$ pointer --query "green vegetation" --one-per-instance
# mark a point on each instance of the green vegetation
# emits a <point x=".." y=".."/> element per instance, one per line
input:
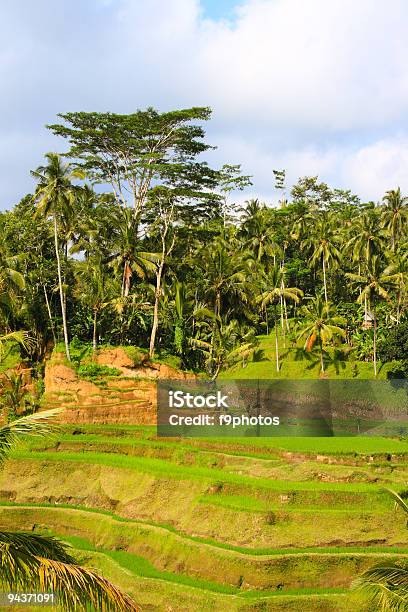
<point x="184" y="514"/>
<point x="130" y="241"/>
<point x="35" y="563"/>
<point x="89" y="371"/>
<point x="162" y="261"/>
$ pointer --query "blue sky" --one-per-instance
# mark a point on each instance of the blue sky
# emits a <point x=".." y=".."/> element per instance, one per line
<point x="219" y="9"/>
<point x="317" y="87"/>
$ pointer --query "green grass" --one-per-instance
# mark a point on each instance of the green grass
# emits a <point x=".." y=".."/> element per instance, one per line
<point x="141" y="567"/>
<point x="292" y="369"/>
<point x="162" y="468"/>
<point x="10" y="357"/>
<point x="89" y="371"/>
<point x="244" y="550"/>
<point x="140" y="434"/>
<point x="249" y="504"/>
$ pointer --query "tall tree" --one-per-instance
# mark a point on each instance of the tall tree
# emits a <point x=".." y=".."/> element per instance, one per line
<point x="322" y="245"/>
<point x="273" y="294"/>
<point x="55" y="197"/>
<point x="137" y="152"/>
<point x="395" y="214"/>
<point x="320" y="326"/>
<point x="374" y="282"/>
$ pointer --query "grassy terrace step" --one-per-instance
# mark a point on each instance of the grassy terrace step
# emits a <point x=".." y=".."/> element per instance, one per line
<point x="357" y="514"/>
<point x="162" y="594"/>
<point x="156" y="552"/>
<point x="247" y="551"/>
<point x="174" y="471"/>
<point x="386" y="473"/>
<point x="336" y="446"/>
<point x="105" y="402"/>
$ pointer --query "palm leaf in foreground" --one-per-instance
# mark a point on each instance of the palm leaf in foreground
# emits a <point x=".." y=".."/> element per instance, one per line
<point x="385" y="586"/>
<point x="39" y="563"/>
<point x="13" y="433"/>
<point x="398" y="500"/>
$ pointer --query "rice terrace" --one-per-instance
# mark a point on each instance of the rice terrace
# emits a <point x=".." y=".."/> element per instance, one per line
<point x="136" y="262"/>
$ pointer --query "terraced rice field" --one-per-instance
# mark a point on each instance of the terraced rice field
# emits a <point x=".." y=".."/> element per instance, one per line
<point x="215" y="524"/>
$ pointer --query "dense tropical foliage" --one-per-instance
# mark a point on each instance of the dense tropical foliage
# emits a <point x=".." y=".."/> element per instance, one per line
<point x="130" y="238"/>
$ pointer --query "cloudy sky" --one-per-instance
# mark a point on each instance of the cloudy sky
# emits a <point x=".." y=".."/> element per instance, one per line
<point x="316" y="86"/>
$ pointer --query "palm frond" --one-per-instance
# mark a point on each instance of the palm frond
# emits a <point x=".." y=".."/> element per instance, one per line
<point x="386" y="587"/>
<point x="75" y="586"/>
<point x="13" y="433"/>
<point x="398" y="500"/>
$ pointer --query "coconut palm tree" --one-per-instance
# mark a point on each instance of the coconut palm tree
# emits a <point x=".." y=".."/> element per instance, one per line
<point x="395" y="214"/>
<point x="398" y="270"/>
<point x="367" y="237"/>
<point x="92" y="288"/>
<point x="225" y="272"/>
<point x="223" y="344"/>
<point x="54" y="198"/>
<point x="12" y="282"/>
<point x="320" y="327"/>
<point x="386" y="584"/>
<point x="374" y="282"/>
<point x="274" y="292"/>
<point x="322" y="244"/>
<point x="127" y="255"/>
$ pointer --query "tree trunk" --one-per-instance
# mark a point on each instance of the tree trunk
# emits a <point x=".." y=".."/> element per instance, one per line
<point x="95" y="337"/>
<point x="50" y="314"/>
<point x="321" y="361"/>
<point x="61" y="291"/>
<point x="276" y="343"/>
<point x="157" y="294"/>
<point x="375" y="342"/>
<point x="126" y="279"/>
<point x="324" y="279"/>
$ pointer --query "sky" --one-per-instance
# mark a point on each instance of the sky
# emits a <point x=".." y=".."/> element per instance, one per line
<point x="317" y="87"/>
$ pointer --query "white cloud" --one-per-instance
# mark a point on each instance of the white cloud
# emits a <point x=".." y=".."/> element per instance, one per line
<point x="378" y="167"/>
<point x="316" y="87"/>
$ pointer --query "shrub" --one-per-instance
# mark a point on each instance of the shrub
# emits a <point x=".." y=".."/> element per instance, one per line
<point x="137" y="355"/>
<point x="395" y="346"/>
<point x="94" y="370"/>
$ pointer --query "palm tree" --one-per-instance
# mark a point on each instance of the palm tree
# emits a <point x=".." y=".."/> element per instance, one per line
<point x="54" y="197"/>
<point x="398" y="270"/>
<point x="11" y="280"/>
<point x="22" y="338"/>
<point x="386" y="584"/>
<point x="320" y="327"/>
<point x="225" y="272"/>
<point x="33" y="562"/>
<point x="395" y="214"/>
<point x="92" y="290"/>
<point x="228" y="343"/>
<point x="274" y="293"/>
<point x="323" y="247"/>
<point x="367" y="237"/>
<point x="373" y="283"/>
<point x="127" y="255"/>
<point x="257" y="232"/>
